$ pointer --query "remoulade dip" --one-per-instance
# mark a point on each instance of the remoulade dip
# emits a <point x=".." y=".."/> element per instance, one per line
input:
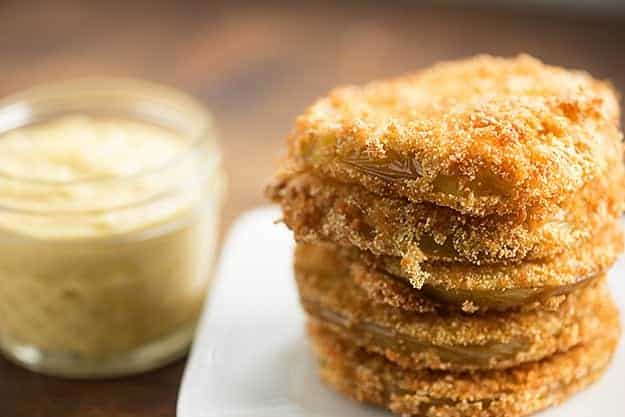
<point x="110" y="193"/>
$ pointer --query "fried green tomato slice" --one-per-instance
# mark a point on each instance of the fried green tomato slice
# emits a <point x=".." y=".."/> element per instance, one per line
<point x="370" y="378"/>
<point x="451" y="340"/>
<point x="467" y="287"/>
<point x="398" y="292"/>
<point x="452" y="280"/>
<point x="483" y="135"/>
<point x="322" y="210"/>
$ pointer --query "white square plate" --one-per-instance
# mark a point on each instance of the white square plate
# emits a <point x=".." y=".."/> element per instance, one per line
<point x="250" y="357"/>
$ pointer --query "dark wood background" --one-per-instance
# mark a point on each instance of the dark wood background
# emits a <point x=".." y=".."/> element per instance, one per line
<point x="257" y="65"/>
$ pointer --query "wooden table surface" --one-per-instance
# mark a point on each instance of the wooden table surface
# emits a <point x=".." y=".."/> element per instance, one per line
<point x="257" y="66"/>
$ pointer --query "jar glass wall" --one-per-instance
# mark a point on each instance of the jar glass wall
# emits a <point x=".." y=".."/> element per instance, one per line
<point x="110" y="192"/>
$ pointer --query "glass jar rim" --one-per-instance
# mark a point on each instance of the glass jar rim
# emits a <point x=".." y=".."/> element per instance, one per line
<point x="24" y="108"/>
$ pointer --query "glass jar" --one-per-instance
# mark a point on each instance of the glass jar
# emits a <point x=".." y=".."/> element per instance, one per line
<point x="110" y="193"/>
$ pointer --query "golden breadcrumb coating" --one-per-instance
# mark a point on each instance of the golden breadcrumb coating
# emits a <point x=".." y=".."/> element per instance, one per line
<point x="592" y="258"/>
<point x="448" y="340"/>
<point x="319" y="210"/>
<point x="398" y="292"/>
<point x="401" y="293"/>
<point x="515" y="392"/>
<point x="482" y="135"/>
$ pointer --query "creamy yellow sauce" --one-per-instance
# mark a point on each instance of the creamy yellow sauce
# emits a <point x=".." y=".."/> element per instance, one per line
<point x="107" y="232"/>
<point x="81" y="147"/>
<point x="83" y="176"/>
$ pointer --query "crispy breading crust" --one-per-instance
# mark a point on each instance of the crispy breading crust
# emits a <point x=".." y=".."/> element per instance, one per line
<point x="483" y="135"/>
<point x="515" y="392"/>
<point x="398" y="292"/>
<point x="324" y="210"/>
<point x="590" y="259"/>
<point x="448" y="340"/>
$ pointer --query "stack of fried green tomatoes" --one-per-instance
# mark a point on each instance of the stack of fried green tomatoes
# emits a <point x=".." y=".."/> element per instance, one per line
<point x="454" y="229"/>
